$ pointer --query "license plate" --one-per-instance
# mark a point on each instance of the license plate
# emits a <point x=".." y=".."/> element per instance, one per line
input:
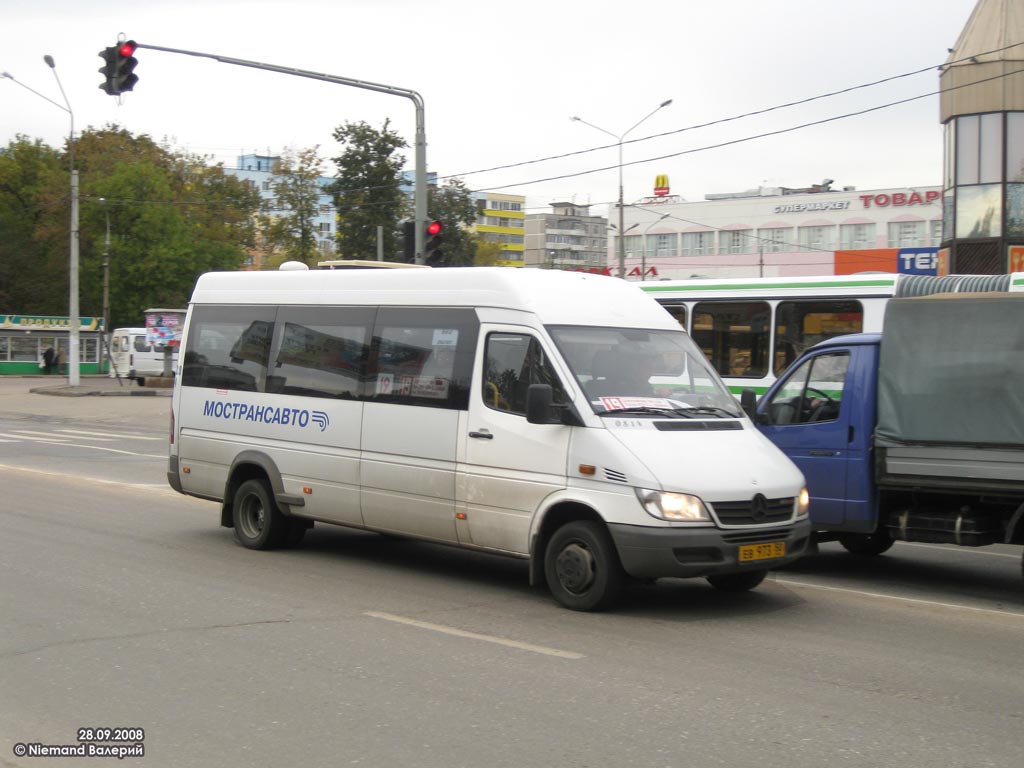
<point x="766" y="551"/>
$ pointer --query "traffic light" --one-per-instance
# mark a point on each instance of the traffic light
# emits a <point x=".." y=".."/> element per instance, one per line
<point x="409" y="241"/>
<point x="432" y="243"/>
<point x="118" y="68"/>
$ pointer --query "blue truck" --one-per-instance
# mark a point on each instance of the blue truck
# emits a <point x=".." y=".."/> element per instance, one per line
<point x="915" y="433"/>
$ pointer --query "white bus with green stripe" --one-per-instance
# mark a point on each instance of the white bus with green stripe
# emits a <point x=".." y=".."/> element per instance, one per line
<point x="751" y="329"/>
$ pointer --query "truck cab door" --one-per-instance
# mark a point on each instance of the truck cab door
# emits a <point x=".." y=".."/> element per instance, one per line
<point x="803" y="415"/>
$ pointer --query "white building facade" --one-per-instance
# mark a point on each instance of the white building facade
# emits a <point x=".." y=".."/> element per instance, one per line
<point x="775" y="232"/>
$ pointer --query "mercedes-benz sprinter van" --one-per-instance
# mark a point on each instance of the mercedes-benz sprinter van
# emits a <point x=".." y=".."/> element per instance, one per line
<point x="564" y="418"/>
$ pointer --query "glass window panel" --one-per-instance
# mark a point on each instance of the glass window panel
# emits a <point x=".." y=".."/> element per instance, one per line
<point x="948" y="159"/>
<point x="800" y="325"/>
<point x="734" y="336"/>
<point x="228" y="347"/>
<point x="947" y="215"/>
<point x="1015" y="210"/>
<point x="991" y="154"/>
<point x="1015" y="146"/>
<point x="513" y="362"/>
<point x="322" y="351"/>
<point x="25" y="348"/>
<point x="5" y="347"/>
<point x="979" y="211"/>
<point x="967" y="150"/>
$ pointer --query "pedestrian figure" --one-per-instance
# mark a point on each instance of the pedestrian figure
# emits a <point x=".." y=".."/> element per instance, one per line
<point x="49" y="361"/>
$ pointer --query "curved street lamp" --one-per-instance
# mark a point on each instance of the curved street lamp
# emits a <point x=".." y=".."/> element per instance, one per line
<point x="619" y="139"/>
<point x="74" y="321"/>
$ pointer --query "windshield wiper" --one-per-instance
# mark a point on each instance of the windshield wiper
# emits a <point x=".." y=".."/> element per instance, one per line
<point x="709" y="409"/>
<point x="675" y="413"/>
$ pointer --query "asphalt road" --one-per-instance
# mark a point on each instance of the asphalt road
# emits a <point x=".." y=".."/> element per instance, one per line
<point x="124" y="605"/>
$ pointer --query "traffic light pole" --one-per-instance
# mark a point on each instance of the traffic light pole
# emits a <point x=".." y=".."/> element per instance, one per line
<point x="420" y="178"/>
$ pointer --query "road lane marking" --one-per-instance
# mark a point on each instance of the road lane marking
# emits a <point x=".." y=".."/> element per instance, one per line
<point x="475" y="635"/>
<point x="55" y="440"/>
<point x="28" y="435"/>
<point x="114" y="436"/>
<point x="915" y="600"/>
<point x="152" y="487"/>
<point x="961" y="550"/>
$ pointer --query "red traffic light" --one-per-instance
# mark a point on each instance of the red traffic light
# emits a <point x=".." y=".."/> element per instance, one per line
<point x="434" y="228"/>
<point x="126" y="49"/>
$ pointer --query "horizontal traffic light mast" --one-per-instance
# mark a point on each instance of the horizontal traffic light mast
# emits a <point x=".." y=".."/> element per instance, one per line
<point x="116" y="87"/>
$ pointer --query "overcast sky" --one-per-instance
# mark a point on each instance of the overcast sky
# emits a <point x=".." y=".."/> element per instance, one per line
<point x="501" y="80"/>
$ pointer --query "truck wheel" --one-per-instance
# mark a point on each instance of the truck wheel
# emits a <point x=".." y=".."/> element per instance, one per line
<point x="582" y="567"/>
<point x="259" y="524"/>
<point x="867" y="543"/>
<point x="737" y="582"/>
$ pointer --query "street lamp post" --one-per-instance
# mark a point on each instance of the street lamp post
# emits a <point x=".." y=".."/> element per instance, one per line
<point x="643" y="258"/>
<point x="619" y="139"/>
<point x="104" y="335"/>
<point x="74" y="321"/>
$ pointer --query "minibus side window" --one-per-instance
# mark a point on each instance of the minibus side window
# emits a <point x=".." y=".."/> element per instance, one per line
<point x="141" y="345"/>
<point x="512" y="362"/>
<point x="321" y="352"/>
<point x="228" y="347"/>
<point x="422" y="356"/>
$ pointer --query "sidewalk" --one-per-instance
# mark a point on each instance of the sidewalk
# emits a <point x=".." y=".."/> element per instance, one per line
<point x="94" y="386"/>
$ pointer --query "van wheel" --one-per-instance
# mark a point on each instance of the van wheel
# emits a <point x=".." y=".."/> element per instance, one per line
<point x="737" y="582"/>
<point x="582" y="567"/>
<point x="259" y="524"/>
<point x="867" y="543"/>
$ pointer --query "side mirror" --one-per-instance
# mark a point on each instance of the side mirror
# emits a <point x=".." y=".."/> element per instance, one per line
<point x="748" y="402"/>
<point x="538" y="405"/>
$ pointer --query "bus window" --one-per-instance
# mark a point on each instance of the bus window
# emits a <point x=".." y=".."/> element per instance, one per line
<point x="802" y="324"/>
<point x="733" y="336"/>
<point x="678" y="311"/>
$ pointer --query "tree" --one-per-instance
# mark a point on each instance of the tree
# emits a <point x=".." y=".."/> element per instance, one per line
<point x="33" y="265"/>
<point x="367" y="190"/>
<point x="453" y="206"/>
<point x="172" y="217"/>
<point x="488" y="252"/>
<point x="290" y="228"/>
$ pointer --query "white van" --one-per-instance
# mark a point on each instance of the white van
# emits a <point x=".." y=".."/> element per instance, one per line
<point x="488" y="408"/>
<point x="135" y="359"/>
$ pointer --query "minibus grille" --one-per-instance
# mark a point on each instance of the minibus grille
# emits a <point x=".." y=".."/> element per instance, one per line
<point x="611" y="474"/>
<point x="696" y="426"/>
<point x="755" y="511"/>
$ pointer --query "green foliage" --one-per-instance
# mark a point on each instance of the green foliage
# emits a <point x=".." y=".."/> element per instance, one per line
<point x="453" y="206"/>
<point x="171" y="216"/>
<point x="367" y="190"/>
<point x="291" y="231"/>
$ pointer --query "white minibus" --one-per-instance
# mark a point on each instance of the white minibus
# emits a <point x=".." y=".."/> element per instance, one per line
<point x="132" y="357"/>
<point x="563" y="418"/>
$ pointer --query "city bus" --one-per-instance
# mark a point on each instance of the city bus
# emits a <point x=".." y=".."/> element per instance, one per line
<point x="751" y="329"/>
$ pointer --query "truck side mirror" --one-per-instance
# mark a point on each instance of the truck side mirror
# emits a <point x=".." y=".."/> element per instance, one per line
<point x="748" y="402"/>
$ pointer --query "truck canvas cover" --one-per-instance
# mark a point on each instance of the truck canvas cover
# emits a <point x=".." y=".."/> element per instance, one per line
<point x="951" y="371"/>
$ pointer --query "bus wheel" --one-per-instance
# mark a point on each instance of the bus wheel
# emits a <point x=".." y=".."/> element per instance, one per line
<point x="259" y="524"/>
<point x="737" y="582"/>
<point x="582" y="567"/>
<point x="867" y="543"/>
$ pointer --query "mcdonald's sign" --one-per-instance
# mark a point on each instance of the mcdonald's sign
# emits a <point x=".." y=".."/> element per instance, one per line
<point x="661" y="185"/>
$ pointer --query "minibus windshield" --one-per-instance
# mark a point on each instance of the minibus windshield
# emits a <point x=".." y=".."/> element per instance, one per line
<point x="656" y="372"/>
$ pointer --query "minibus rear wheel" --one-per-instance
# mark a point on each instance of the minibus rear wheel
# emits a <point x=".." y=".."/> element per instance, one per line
<point x="582" y="567"/>
<point x="259" y="524"/>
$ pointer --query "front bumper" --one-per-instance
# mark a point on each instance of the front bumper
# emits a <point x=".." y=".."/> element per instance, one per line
<point x="684" y="553"/>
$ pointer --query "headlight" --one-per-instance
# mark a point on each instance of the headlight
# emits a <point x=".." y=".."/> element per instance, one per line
<point x="803" y="503"/>
<point x="674" y="507"/>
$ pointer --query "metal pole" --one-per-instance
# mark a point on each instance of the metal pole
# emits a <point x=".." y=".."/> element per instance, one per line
<point x="622" y="202"/>
<point x="74" y="319"/>
<point x="106" y="278"/>
<point x="420" y="178"/>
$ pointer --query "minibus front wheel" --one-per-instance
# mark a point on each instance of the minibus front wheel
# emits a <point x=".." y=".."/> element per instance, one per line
<point x="259" y="523"/>
<point x="582" y="567"/>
